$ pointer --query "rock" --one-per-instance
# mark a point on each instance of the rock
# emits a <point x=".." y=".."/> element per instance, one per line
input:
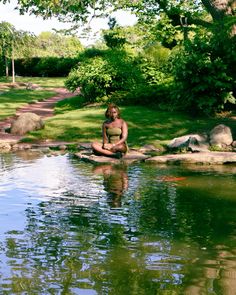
<point x="62" y="147"/>
<point x="147" y="148"/>
<point x="31" y="86"/>
<point x="234" y="144"/>
<point x="190" y="142"/>
<point x="84" y="146"/>
<point x="130" y="157"/>
<point x="5" y="147"/>
<point x="21" y="146"/>
<point x="26" y="122"/>
<point x="221" y="136"/>
<point x="207" y="158"/>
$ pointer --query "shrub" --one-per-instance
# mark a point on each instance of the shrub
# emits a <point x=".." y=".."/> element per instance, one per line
<point x="45" y="66"/>
<point x="202" y="82"/>
<point x="144" y="94"/>
<point x="100" y="76"/>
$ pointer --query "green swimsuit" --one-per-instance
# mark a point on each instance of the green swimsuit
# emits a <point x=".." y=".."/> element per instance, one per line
<point x="114" y="135"/>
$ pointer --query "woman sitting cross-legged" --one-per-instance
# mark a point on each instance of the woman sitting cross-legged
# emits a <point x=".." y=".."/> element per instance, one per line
<point x="114" y="133"/>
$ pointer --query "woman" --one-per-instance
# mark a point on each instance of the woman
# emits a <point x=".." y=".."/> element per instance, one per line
<point x="114" y="134"/>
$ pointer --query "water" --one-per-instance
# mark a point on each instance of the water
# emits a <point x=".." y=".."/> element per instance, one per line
<point x="69" y="227"/>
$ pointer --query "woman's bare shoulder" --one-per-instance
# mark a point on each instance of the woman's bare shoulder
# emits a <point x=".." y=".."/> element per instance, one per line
<point x="106" y="122"/>
<point x="123" y="122"/>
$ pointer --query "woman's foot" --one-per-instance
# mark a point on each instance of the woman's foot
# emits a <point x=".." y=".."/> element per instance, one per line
<point x="118" y="155"/>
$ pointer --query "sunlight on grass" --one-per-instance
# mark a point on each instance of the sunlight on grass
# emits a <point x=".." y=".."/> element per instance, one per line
<point x="146" y="126"/>
<point x="46" y="82"/>
<point x="16" y="98"/>
<point x="73" y="122"/>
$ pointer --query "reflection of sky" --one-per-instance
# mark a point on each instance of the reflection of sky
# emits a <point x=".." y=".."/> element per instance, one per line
<point x="44" y="178"/>
<point x="39" y="180"/>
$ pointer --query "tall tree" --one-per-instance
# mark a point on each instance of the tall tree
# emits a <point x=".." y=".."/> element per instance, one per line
<point x="181" y="13"/>
<point x="13" y="43"/>
<point x="55" y="44"/>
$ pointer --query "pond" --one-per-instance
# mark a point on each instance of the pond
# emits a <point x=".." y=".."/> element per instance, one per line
<point x="69" y="227"/>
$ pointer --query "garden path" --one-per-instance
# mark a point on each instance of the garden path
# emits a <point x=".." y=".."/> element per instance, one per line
<point x="44" y="109"/>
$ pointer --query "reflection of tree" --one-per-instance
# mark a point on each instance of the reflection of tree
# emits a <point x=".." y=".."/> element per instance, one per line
<point x="198" y="213"/>
<point x="152" y="243"/>
<point x="115" y="182"/>
<point x="29" y="154"/>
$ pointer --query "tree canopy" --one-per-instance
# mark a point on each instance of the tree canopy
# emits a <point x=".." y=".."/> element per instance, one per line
<point x="199" y="34"/>
<point x="178" y="11"/>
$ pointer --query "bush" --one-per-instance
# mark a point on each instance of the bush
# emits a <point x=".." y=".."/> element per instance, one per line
<point x="202" y="82"/>
<point x="144" y="94"/>
<point x="45" y="66"/>
<point x="102" y="75"/>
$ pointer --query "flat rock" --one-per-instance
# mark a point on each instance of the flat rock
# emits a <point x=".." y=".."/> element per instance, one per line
<point x="208" y="158"/>
<point x="52" y="144"/>
<point x="130" y="157"/>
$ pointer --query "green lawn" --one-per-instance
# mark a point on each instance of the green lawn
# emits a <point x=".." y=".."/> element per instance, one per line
<point x="73" y="122"/>
<point x="146" y="125"/>
<point x="46" y="82"/>
<point x="13" y="98"/>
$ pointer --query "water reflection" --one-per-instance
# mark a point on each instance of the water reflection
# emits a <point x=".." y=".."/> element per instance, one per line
<point x="115" y="182"/>
<point x="64" y="231"/>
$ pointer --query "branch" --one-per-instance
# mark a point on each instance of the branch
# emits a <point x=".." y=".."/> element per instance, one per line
<point x="214" y="12"/>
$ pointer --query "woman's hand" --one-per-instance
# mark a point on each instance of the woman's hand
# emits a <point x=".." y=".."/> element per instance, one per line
<point x="108" y="146"/>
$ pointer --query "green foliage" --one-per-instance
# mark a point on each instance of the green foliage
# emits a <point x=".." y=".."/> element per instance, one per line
<point x="49" y="44"/>
<point x="100" y="76"/>
<point x="2" y="66"/>
<point x="156" y="96"/>
<point x="202" y="81"/>
<point x="94" y="78"/>
<point x="45" y="66"/>
<point x="166" y="32"/>
<point x="114" y="38"/>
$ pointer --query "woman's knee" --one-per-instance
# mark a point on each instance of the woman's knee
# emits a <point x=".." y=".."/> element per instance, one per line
<point x="94" y="145"/>
<point x="120" y="148"/>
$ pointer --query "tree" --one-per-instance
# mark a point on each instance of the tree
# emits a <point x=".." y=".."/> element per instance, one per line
<point x="55" y="44"/>
<point x="12" y="45"/>
<point x="217" y="17"/>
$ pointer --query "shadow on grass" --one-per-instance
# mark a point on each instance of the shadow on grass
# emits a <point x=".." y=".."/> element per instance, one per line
<point x="146" y="126"/>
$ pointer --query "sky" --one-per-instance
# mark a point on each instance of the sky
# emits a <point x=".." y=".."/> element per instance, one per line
<point x="37" y="25"/>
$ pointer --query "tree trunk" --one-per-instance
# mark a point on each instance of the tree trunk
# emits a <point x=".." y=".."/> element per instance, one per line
<point x="6" y="67"/>
<point x="13" y="66"/>
<point x="220" y="9"/>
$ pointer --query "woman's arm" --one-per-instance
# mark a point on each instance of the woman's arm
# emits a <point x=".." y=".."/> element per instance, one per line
<point x="104" y="135"/>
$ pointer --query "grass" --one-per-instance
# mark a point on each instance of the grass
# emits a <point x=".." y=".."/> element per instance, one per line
<point x="75" y="122"/>
<point x="14" y="98"/>
<point x="46" y="82"/>
<point x="146" y="126"/>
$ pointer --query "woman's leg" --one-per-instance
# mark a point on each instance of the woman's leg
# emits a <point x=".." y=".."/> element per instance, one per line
<point x="120" y="148"/>
<point x="98" y="149"/>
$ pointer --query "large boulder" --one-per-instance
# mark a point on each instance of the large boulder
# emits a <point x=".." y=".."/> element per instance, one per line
<point x="190" y="142"/>
<point x="221" y="136"/>
<point x="26" y="122"/>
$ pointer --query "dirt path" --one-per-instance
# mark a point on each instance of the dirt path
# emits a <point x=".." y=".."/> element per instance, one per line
<point x="43" y="108"/>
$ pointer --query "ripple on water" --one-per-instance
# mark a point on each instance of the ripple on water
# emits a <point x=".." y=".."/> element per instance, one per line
<point x="66" y="224"/>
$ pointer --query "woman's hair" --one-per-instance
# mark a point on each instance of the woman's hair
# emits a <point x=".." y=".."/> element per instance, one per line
<point x="109" y="108"/>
